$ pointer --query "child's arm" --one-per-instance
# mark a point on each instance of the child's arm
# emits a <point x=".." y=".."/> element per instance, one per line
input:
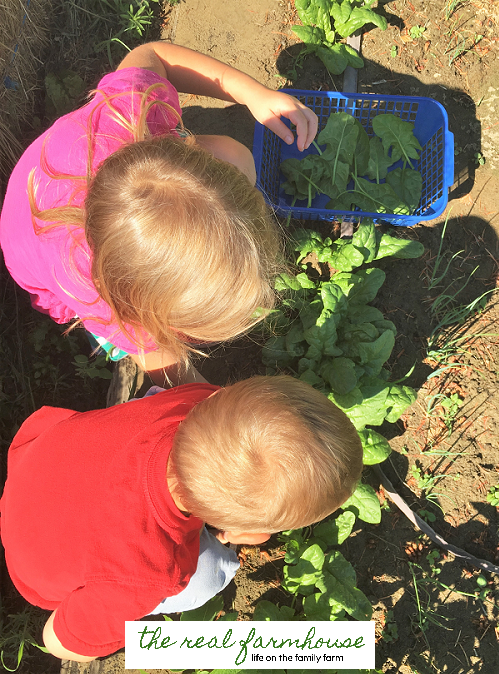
<point x="194" y="73"/>
<point x="164" y="370"/>
<point x="54" y="646"/>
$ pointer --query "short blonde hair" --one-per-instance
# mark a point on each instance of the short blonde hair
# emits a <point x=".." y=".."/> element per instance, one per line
<point x="265" y="455"/>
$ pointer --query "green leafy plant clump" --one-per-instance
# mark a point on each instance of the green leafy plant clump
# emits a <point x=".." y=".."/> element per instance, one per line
<point x="417" y="32"/>
<point x="127" y="20"/>
<point x="18" y="634"/>
<point x="493" y="495"/>
<point x="353" y="169"/>
<point x="317" y="572"/>
<point x="327" y="22"/>
<point x="330" y="335"/>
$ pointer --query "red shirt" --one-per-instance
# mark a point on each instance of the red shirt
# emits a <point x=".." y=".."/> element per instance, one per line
<point x="88" y="524"/>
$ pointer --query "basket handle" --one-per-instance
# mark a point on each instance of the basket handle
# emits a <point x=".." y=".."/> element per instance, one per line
<point x="449" y="159"/>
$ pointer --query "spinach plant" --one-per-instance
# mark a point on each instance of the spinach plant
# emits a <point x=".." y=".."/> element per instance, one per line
<point x="348" y="155"/>
<point x="329" y="335"/>
<point x="327" y="22"/>
<point x="317" y="572"/>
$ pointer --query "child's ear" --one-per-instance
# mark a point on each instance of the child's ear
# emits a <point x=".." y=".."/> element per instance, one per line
<point x="172" y="483"/>
<point x="243" y="538"/>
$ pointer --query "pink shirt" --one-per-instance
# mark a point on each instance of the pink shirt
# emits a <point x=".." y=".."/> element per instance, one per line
<point x="54" y="267"/>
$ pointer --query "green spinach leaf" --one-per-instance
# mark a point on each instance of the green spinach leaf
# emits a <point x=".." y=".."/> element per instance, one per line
<point x="320" y="606"/>
<point x="399" y="248"/>
<point x="340" y="137"/>
<point x="397" y="135"/>
<point x="266" y="610"/>
<point x="310" y="35"/>
<point x="407" y="185"/>
<point x="371" y="198"/>
<point x="302" y="576"/>
<point x="340" y="374"/>
<point x="338" y="56"/>
<point x="379" y="161"/>
<point x="334" y="532"/>
<point x="359" y="17"/>
<point x="375" y="446"/>
<point x="364" y="504"/>
<point x="399" y="398"/>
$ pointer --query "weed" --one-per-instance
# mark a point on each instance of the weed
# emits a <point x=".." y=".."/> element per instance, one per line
<point x="437" y="276"/>
<point x="45" y="370"/>
<point x="479" y="159"/>
<point x="426" y="615"/>
<point x="445" y="408"/>
<point x="427" y="516"/>
<point x="417" y="32"/>
<point x="451" y="6"/>
<point x="424" y="482"/>
<point x="390" y="633"/>
<point x="493" y="495"/>
<point x="463" y="45"/>
<point x="112" y="27"/>
<point x="394" y="51"/>
<point x="442" y="306"/>
<point x="92" y="368"/>
<point x="134" y="20"/>
<point x="431" y="558"/>
<point x="431" y="580"/>
<point x="448" y="340"/>
<point x="483" y="590"/>
<point x="17" y="634"/>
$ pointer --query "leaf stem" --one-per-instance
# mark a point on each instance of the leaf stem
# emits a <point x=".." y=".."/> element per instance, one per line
<point x="317" y="147"/>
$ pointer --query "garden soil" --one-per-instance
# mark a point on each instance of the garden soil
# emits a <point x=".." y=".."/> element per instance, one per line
<point x="445" y="456"/>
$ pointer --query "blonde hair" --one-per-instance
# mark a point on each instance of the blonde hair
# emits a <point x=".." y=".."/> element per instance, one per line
<point x="184" y="248"/>
<point x="265" y="455"/>
<point x="194" y="250"/>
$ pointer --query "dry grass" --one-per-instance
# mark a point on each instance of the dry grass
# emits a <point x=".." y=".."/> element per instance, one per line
<point x="23" y="34"/>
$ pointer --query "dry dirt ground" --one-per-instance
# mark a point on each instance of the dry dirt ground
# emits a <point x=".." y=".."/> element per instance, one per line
<point x="456" y="451"/>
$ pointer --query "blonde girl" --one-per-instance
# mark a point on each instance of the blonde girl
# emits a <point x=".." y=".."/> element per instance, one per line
<point x="155" y="240"/>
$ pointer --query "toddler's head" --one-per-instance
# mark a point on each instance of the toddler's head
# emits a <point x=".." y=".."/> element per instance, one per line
<point x="183" y="244"/>
<point x="265" y="455"/>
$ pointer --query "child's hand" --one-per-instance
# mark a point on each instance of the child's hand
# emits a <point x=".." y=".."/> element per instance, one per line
<point x="269" y="108"/>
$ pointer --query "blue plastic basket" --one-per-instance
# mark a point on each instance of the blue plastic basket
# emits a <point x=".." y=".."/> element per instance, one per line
<point x="436" y="162"/>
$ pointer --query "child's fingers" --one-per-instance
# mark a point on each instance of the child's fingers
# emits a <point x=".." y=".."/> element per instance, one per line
<point x="280" y="129"/>
<point x="306" y="123"/>
<point x="269" y="109"/>
<point x="304" y="119"/>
